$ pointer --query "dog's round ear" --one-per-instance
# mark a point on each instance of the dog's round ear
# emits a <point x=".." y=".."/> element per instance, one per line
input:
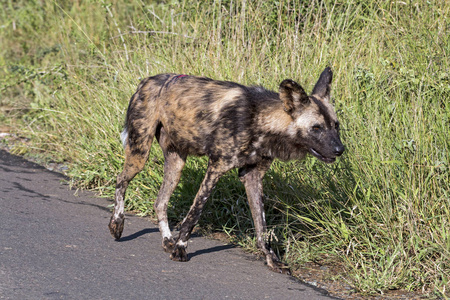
<point x="323" y="86"/>
<point x="292" y="95"/>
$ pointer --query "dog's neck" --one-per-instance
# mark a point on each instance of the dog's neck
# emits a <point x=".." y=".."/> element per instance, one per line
<point x="273" y="119"/>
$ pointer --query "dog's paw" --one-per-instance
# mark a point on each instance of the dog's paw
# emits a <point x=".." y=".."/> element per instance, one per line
<point x="116" y="226"/>
<point x="276" y="265"/>
<point x="280" y="267"/>
<point x="179" y="254"/>
<point x="168" y="244"/>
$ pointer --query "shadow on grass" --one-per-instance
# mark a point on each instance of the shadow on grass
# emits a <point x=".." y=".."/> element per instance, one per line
<point x="314" y="182"/>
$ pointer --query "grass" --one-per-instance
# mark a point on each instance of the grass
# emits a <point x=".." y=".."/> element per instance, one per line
<point x="67" y="70"/>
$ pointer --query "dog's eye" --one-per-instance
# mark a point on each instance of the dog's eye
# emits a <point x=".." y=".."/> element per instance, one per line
<point x="336" y="125"/>
<point x="317" y="128"/>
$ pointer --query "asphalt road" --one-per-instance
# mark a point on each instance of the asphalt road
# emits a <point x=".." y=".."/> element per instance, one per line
<point x="56" y="245"/>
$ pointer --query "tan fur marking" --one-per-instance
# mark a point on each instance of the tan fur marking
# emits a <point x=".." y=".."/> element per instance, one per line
<point x="274" y="120"/>
<point x="227" y="97"/>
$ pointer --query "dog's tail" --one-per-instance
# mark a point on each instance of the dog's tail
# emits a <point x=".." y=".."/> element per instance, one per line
<point x="124" y="136"/>
<point x="136" y="108"/>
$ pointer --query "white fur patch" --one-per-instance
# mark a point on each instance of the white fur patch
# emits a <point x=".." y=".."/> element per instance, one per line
<point x="165" y="231"/>
<point x="182" y="244"/>
<point x="119" y="209"/>
<point x="308" y="119"/>
<point x="303" y="122"/>
<point x="124" y="137"/>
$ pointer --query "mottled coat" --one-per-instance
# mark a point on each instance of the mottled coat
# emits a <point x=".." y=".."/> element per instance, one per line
<point x="236" y="127"/>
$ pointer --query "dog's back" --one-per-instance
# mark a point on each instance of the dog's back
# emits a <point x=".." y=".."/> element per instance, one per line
<point x="202" y="116"/>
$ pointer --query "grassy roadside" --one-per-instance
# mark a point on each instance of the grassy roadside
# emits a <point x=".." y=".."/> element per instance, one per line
<point x="68" y="68"/>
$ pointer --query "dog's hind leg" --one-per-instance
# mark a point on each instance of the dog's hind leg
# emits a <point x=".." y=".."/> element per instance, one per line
<point x="137" y="149"/>
<point x="173" y="164"/>
<point x="252" y="177"/>
<point x="213" y="173"/>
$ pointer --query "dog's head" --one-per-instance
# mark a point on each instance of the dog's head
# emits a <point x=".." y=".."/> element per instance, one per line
<point x="314" y="123"/>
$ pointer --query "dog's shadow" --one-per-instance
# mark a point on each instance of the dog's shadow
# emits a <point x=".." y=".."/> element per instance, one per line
<point x="138" y="234"/>
<point x="211" y="250"/>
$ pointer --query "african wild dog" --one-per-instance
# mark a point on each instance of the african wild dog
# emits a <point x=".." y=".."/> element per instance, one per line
<point x="235" y="126"/>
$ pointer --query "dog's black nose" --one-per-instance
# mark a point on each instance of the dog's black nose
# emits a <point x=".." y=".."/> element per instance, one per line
<point x="338" y="150"/>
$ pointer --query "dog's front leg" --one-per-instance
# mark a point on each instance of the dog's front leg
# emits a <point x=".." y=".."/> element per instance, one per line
<point x="252" y="177"/>
<point x="213" y="173"/>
